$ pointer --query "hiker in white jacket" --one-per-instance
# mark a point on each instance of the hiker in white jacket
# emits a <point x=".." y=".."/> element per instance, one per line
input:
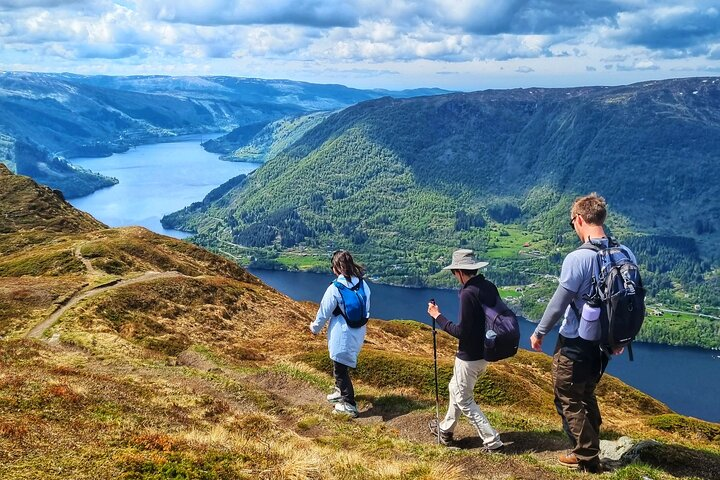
<point x="344" y="341"/>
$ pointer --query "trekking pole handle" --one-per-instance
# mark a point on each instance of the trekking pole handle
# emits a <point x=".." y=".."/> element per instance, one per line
<point x="432" y="302"/>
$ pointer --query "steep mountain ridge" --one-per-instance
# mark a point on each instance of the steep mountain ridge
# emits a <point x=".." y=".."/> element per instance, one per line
<point x="168" y="361"/>
<point x="26" y="207"/>
<point x="647" y="148"/>
<point x="261" y="142"/>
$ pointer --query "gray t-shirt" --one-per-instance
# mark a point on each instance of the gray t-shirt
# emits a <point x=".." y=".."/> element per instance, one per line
<point x="576" y="277"/>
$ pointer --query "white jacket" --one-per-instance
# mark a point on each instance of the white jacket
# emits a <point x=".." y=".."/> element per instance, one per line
<point x="344" y="343"/>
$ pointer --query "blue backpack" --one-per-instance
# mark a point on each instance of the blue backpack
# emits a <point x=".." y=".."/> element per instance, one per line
<point x="618" y="291"/>
<point x="354" y="304"/>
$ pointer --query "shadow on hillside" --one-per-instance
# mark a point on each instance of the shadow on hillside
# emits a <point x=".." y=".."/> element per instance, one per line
<point x="389" y="406"/>
<point x="520" y="442"/>
<point x="682" y="461"/>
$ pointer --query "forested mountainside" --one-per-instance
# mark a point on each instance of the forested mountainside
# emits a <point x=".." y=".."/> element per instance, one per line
<point x="66" y="116"/>
<point x="403" y="182"/>
<point x="262" y="141"/>
<point x="27" y="158"/>
<point x="127" y="354"/>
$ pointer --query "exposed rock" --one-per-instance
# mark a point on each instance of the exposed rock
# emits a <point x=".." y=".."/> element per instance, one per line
<point x="635" y="453"/>
<point x="614" y="450"/>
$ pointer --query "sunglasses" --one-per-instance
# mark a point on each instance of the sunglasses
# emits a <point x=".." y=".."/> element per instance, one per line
<point x="572" y="221"/>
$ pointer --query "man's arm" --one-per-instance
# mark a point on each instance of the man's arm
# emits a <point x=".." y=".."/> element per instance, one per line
<point x="553" y="312"/>
<point x="466" y="314"/>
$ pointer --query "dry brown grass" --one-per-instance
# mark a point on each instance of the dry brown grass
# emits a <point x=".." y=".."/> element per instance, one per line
<point x="27" y="206"/>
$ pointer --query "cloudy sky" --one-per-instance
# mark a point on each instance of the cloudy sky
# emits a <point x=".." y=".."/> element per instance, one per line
<point x="453" y="44"/>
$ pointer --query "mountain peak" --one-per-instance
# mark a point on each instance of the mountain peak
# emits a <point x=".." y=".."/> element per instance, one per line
<point x="28" y="206"/>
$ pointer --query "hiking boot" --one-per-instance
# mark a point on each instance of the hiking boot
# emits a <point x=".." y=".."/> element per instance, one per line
<point x="493" y="448"/>
<point x="335" y="396"/>
<point x="570" y="460"/>
<point x="344" y="408"/>
<point x="446" y="438"/>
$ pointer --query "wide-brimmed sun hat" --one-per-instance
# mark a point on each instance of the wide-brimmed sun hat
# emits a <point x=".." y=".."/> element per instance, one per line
<point x="464" y="259"/>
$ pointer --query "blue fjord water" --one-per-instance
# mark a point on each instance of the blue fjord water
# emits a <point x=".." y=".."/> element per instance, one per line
<point x="155" y="180"/>
<point x="161" y="178"/>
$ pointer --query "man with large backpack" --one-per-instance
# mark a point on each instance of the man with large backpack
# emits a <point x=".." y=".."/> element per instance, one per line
<point x="585" y="342"/>
<point x="470" y="363"/>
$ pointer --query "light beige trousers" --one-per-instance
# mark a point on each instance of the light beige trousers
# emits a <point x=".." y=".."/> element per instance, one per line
<point x="462" y="401"/>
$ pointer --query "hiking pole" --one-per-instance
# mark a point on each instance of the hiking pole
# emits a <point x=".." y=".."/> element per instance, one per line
<point x="437" y="395"/>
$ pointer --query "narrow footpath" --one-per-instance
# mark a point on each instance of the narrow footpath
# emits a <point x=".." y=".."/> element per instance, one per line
<point x="39" y="330"/>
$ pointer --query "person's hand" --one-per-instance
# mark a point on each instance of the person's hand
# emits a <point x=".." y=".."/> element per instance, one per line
<point x="536" y="342"/>
<point x="433" y="310"/>
<point x="618" y="351"/>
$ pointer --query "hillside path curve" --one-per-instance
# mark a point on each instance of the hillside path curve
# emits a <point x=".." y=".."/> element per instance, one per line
<point x="38" y="330"/>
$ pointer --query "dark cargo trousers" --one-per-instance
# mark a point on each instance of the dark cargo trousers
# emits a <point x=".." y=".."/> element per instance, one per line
<point x="578" y="408"/>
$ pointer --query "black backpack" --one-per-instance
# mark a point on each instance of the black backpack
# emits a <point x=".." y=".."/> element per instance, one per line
<point x="502" y="332"/>
<point x="354" y="304"/>
<point x="618" y="291"/>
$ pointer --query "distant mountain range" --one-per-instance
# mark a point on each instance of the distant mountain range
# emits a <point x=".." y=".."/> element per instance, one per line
<point x="50" y="117"/>
<point x="404" y="181"/>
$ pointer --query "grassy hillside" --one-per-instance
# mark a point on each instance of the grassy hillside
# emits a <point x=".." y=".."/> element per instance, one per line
<point x="404" y="182"/>
<point x="125" y="354"/>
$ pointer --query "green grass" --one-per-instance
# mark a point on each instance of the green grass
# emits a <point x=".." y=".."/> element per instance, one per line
<point x="638" y="471"/>
<point x="509" y="292"/>
<point x="306" y="423"/>
<point x="42" y="262"/>
<point x="299" y="261"/>
<point x="390" y="370"/>
<point x="319" y="381"/>
<point x="402" y="328"/>
<point x="687" y="426"/>
<point x="185" y="465"/>
<point x="505" y="241"/>
<point x="684" y="317"/>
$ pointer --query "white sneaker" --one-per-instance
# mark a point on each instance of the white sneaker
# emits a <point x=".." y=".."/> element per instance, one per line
<point x="493" y="446"/>
<point x="344" y="408"/>
<point x="335" y="396"/>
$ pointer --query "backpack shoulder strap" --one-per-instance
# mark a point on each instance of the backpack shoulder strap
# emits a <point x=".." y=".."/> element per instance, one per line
<point x="338" y="310"/>
<point x="575" y="310"/>
<point x="589" y="246"/>
<point x="597" y="249"/>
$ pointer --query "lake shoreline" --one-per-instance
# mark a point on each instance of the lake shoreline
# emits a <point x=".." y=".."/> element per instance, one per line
<point x="154" y="180"/>
<point x="450" y="289"/>
<point x="108" y="149"/>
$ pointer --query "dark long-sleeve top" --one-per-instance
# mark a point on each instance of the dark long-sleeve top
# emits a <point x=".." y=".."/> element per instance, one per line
<point x="470" y="329"/>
